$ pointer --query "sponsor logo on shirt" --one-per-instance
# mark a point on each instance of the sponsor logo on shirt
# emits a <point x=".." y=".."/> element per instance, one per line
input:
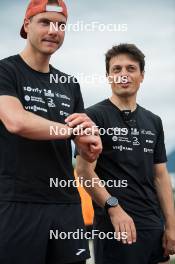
<point x="120" y="139"/>
<point x="136" y="141"/>
<point x="149" y="141"/>
<point x="65" y="105"/>
<point x="35" y="108"/>
<point x="48" y="93"/>
<point x="146" y="150"/>
<point x="121" y="148"/>
<point x="50" y="103"/>
<point x="62" y="113"/>
<point x="62" y="96"/>
<point x="30" y="89"/>
<point x="134" y="131"/>
<point x="147" y="132"/>
<point x="33" y="99"/>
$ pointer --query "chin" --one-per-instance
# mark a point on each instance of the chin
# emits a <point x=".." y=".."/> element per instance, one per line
<point x="49" y="51"/>
<point x="126" y="94"/>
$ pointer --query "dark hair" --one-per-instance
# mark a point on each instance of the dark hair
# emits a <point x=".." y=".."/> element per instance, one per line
<point x="131" y="50"/>
<point x="53" y="2"/>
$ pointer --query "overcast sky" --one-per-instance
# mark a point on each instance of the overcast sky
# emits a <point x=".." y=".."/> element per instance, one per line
<point x="151" y="26"/>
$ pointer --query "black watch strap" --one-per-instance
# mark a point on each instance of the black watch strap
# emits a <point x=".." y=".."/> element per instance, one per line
<point x="72" y="137"/>
<point x="111" y="202"/>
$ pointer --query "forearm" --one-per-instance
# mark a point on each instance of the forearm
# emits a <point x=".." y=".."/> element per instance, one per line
<point x="91" y="183"/>
<point x="165" y="196"/>
<point x="26" y="124"/>
<point x="38" y="128"/>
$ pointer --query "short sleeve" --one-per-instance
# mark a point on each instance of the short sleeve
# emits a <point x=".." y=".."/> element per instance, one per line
<point x="160" y="151"/>
<point x="92" y="115"/>
<point x="79" y="104"/>
<point x="7" y="81"/>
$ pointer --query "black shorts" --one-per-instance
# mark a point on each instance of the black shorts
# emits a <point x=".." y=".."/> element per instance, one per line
<point x="30" y="233"/>
<point x="147" y="250"/>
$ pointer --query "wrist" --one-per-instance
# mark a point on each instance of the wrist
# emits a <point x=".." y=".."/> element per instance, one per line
<point x="71" y="134"/>
<point x="170" y="223"/>
<point x="113" y="210"/>
<point x="111" y="202"/>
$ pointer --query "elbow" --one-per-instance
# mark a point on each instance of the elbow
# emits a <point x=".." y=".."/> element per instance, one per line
<point x="79" y="170"/>
<point x="15" y="126"/>
<point x="83" y="171"/>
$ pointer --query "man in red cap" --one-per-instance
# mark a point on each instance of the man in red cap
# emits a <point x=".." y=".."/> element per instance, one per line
<point x="40" y="207"/>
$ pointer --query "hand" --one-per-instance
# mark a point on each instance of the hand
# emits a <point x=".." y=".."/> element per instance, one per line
<point x="89" y="147"/>
<point x="169" y="240"/>
<point x="123" y="223"/>
<point x="82" y="123"/>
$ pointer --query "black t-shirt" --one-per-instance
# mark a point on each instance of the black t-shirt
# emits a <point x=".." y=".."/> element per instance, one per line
<point x="128" y="159"/>
<point x="31" y="170"/>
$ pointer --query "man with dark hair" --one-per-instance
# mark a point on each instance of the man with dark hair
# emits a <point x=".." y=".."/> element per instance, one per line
<point x="137" y="197"/>
<point x="33" y="210"/>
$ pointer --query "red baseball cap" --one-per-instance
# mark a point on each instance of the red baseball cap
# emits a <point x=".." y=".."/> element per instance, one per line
<point x="39" y="6"/>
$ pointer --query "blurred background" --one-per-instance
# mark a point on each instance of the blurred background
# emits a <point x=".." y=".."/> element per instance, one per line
<point x="148" y="24"/>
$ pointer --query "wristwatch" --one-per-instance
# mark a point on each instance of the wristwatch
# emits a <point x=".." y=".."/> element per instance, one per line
<point x="111" y="202"/>
<point x="72" y="137"/>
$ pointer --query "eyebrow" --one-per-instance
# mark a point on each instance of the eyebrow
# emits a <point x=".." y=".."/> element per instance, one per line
<point x="118" y="65"/>
<point x="46" y="20"/>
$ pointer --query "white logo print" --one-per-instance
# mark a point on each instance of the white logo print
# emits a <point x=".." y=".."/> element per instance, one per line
<point x="62" y="96"/>
<point x="48" y="93"/>
<point x="147" y="132"/>
<point x="121" y="148"/>
<point x="66" y="105"/>
<point x="80" y="251"/>
<point x="148" y="150"/>
<point x="30" y="89"/>
<point x="35" y="108"/>
<point x="62" y="113"/>
<point x="51" y="102"/>
<point x="27" y="98"/>
<point x="34" y="99"/>
<point x="134" y="131"/>
<point x="136" y="141"/>
<point x="149" y="141"/>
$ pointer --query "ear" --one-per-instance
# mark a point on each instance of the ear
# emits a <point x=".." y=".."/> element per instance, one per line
<point x="142" y="76"/>
<point x="107" y="76"/>
<point x="26" y="24"/>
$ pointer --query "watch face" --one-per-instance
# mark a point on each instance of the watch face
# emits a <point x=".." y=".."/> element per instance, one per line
<point x="112" y="201"/>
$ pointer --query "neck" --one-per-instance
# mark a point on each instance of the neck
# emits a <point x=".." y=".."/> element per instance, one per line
<point x="124" y="103"/>
<point x="36" y="60"/>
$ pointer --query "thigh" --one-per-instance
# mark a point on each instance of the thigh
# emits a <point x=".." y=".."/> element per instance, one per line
<point x="157" y="255"/>
<point x="114" y="252"/>
<point x="69" y="244"/>
<point x="23" y="238"/>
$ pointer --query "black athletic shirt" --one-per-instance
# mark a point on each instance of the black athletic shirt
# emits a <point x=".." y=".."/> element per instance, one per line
<point x="26" y="166"/>
<point x="128" y="158"/>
